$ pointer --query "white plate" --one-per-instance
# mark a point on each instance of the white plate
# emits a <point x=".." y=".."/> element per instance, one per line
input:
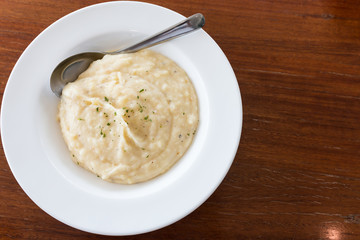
<point x="41" y="163"/>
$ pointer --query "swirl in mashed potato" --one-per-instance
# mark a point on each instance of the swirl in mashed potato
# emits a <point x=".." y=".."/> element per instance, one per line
<point x="130" y="117"/>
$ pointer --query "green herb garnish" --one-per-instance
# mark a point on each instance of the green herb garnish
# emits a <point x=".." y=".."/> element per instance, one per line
<point x="141" y="108"/>
<point x="106" y="99"/>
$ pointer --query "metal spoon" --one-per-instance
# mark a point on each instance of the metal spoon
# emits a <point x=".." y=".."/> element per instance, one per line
<point x="69" y="69"/>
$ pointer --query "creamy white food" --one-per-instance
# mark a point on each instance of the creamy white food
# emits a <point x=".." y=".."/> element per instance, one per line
<point x="130" y="117"/>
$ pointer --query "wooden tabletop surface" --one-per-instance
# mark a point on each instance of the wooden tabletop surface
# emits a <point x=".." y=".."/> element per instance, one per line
<point x="296" y="174"/>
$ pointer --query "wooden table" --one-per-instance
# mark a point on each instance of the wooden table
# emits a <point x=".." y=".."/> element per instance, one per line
<point x="296" y="174"/>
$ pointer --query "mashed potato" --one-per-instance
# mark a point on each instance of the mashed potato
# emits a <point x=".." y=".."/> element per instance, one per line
<point x="130" y="117"/>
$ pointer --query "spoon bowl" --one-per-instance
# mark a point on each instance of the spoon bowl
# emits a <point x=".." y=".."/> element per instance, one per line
<point x="70" y="69"/>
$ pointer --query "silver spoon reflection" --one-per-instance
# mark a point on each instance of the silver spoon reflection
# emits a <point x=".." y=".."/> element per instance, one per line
<point x="69" y="69"/>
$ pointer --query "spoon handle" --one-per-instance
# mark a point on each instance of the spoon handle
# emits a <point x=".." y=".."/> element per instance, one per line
<point x="190" y="24"/>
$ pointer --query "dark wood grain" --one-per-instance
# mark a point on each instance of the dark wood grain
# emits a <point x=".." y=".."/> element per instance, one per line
<point x="296" y="174"/>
